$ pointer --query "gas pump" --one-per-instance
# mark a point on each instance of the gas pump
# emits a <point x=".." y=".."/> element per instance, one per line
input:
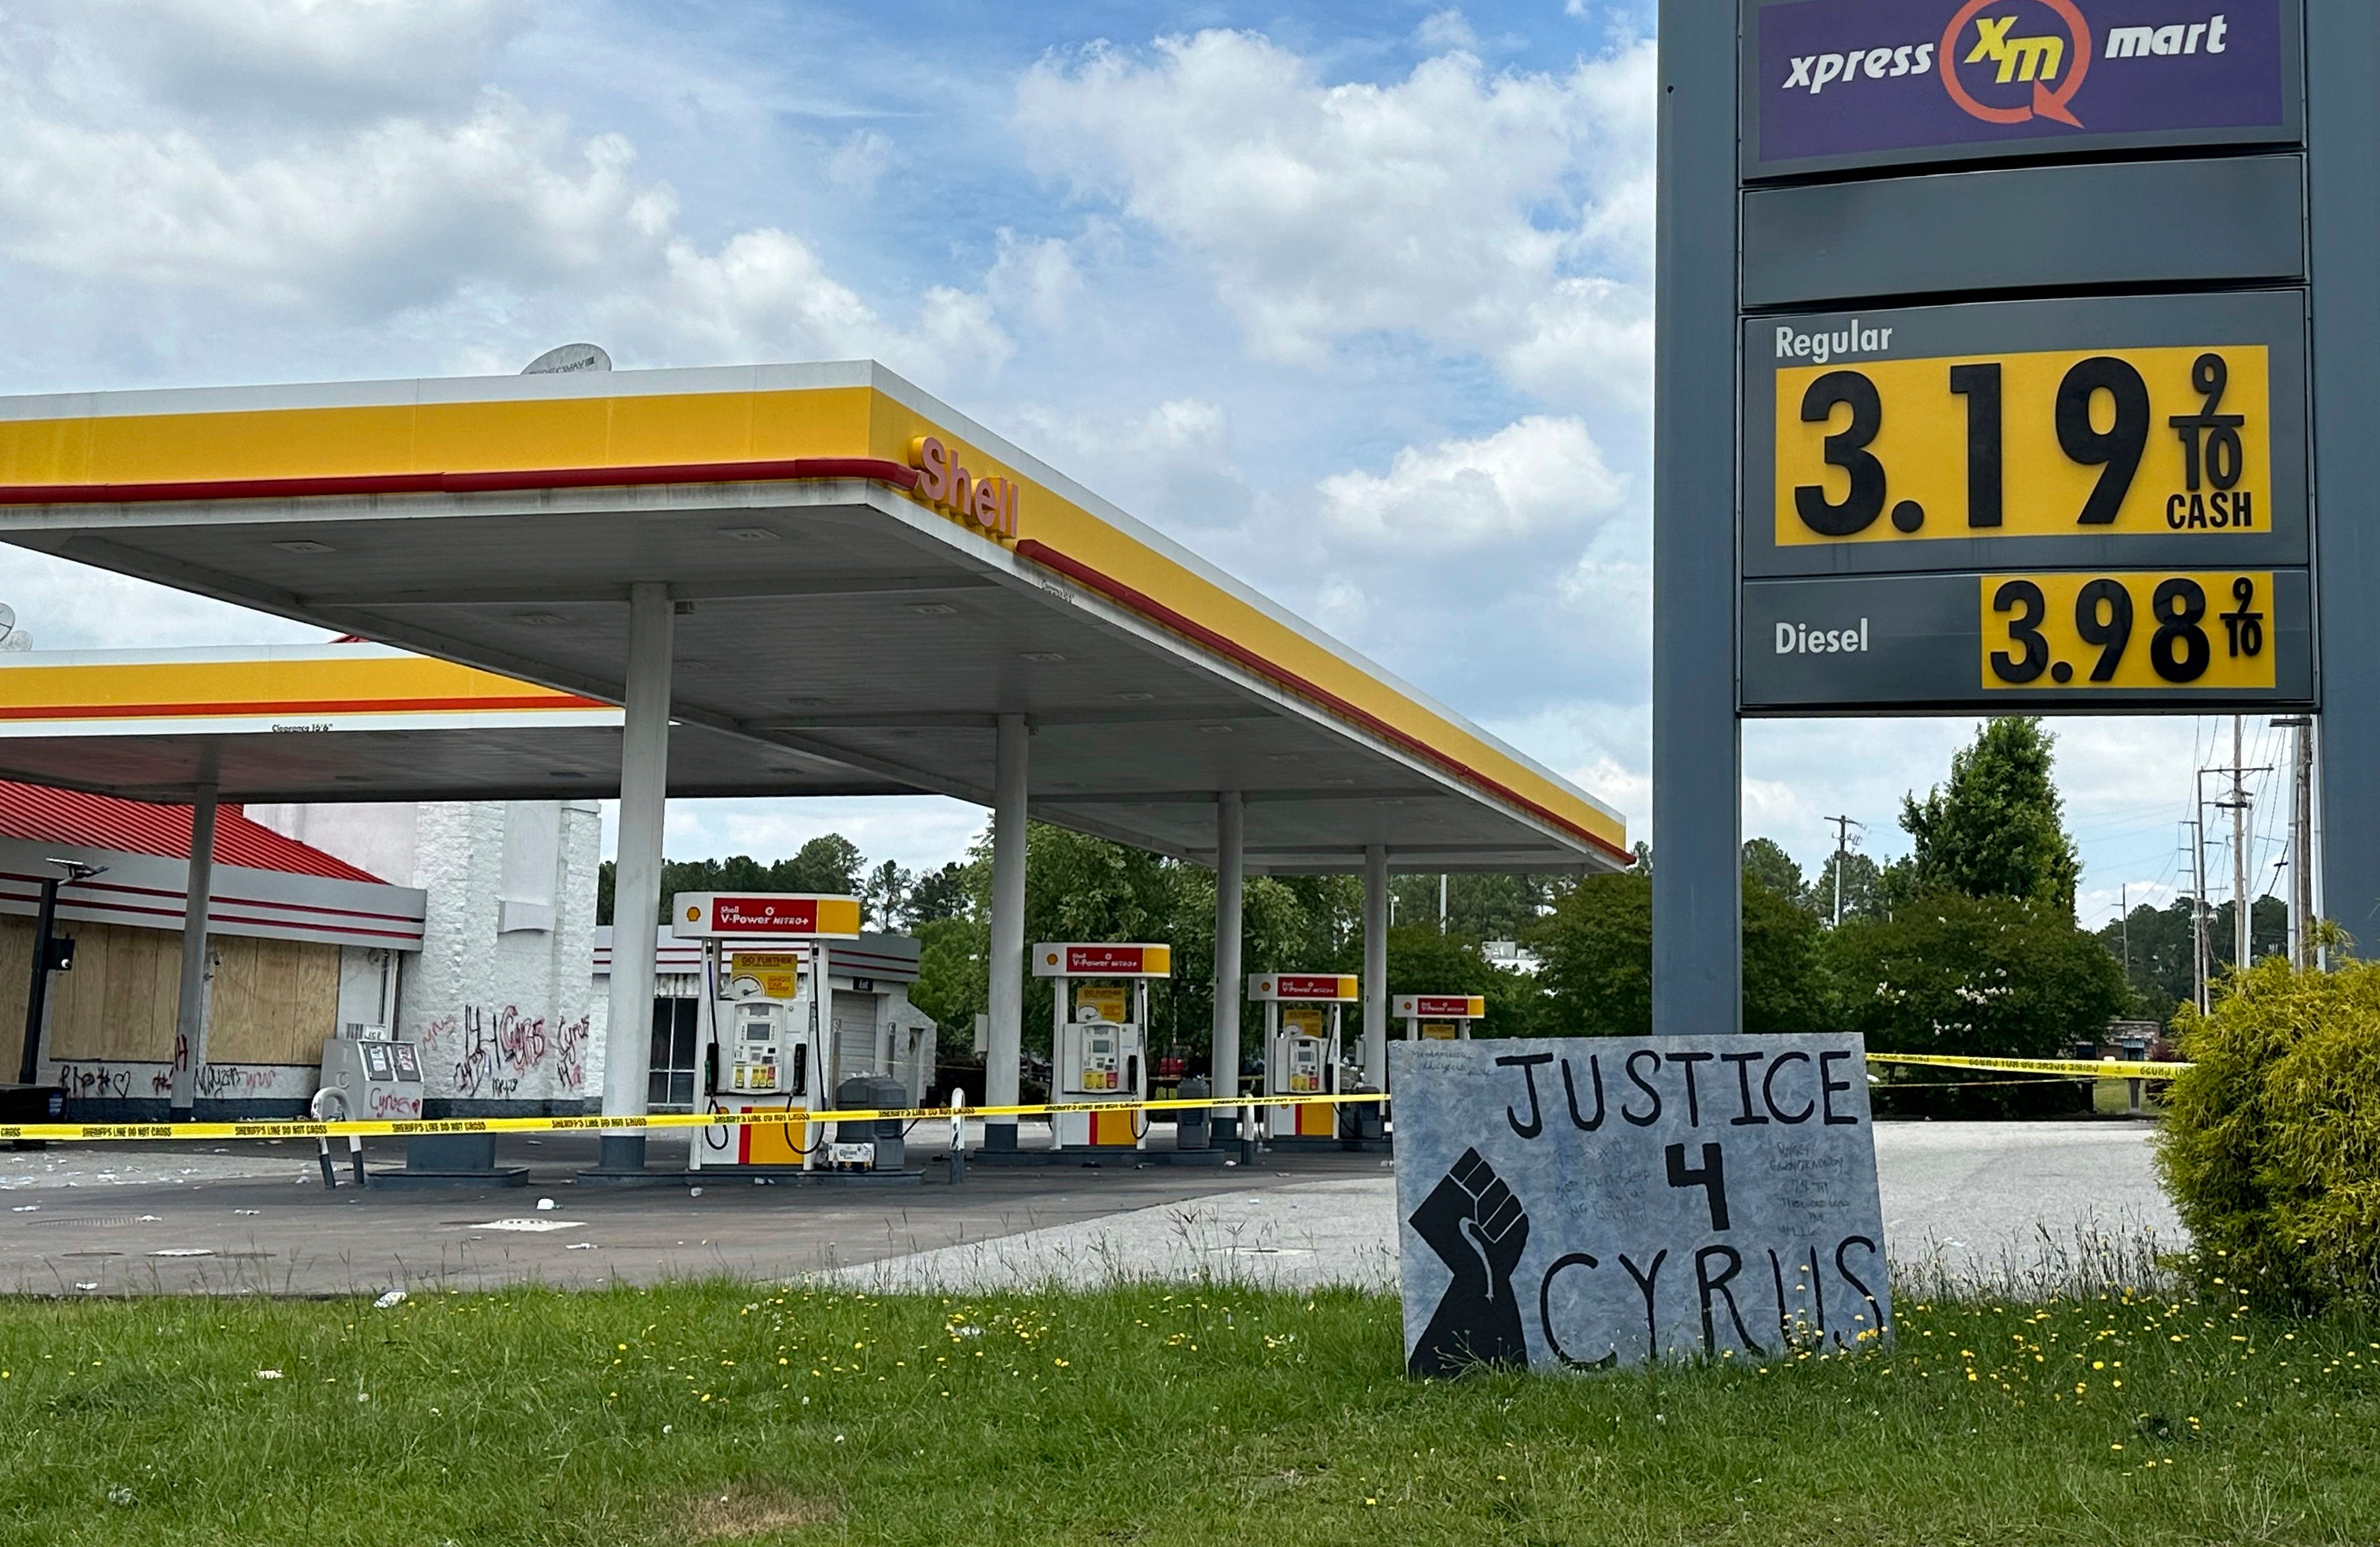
<point x="1302" y="1047"/>
<point x="762" y="1036"/>
<point x="1098" y="1036"/>
<point x="1439" y="1017"/>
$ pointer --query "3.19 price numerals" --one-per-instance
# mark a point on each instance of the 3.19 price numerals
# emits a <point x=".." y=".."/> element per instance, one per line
<point x="2034" y="443"/>
<point x="2132" y="631"/>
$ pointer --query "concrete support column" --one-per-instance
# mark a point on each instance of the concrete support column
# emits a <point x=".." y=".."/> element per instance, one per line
<point x="637" y="873"/>
<point x="1004" y="1048"/>
<point x="1376" y="965"/>
<point x="1231" y="875"/>
<point x="190" y="1006"/>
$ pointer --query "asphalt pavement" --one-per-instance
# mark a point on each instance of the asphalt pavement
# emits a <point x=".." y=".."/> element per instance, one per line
<point x="1990" y="1200"/>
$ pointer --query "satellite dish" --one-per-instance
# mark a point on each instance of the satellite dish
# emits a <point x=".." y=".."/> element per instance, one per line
<point x="569" y="358"/>
<point x="12" y="638"/>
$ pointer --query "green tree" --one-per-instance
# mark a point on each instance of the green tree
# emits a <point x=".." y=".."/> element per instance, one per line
<point x="829" y="864"/>
<point x="2000" y="977"/>
<point x="1483" y="907"/>
<point x="1784" y="982"/>
<point x="1998" y="827"/>
<point x="1863" y="895"/>
<point x="1766" y="861"/>
<point x="937" y="894"/>
<point x="885" y="895"/>
<point x="1597" y="950"/>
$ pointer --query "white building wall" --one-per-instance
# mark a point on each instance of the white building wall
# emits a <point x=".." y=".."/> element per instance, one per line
<point x="499" y="996"/>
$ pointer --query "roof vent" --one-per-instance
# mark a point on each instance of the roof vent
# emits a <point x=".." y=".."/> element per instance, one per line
<point x="568" y="358"/>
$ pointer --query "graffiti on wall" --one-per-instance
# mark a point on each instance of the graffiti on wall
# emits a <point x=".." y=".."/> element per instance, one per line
<point x="98" y="1079"/>
<point x="502" y="1053"/>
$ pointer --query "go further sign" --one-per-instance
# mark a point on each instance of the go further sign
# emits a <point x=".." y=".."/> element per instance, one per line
<point x="1596" y="1201"/>
<point x="1836" y="83"/>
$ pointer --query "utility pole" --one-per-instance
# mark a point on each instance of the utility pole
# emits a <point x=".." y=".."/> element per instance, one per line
<point x="2124" y="912"/>
<point x="2243" y="908"/>
<point x="2197" y="825"/>
<point x="2301" y="728"/>
<point x="1844" y="826"/>
<point x="2238" y="806"/>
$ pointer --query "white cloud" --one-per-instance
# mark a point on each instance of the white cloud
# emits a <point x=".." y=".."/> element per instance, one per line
<point x="469" y="205"/>
<point x="1171" y="464"/>
<point x="1455" y="204"/>
<point x="1446" y="31"/>
<point x="765" y="295"/>
<point x="1531" y="476"/>
<point x="332" y="61"/>
<point x="66" y="606"/>
<point x="1035" y="279"/>
<point x="856" y="164"/>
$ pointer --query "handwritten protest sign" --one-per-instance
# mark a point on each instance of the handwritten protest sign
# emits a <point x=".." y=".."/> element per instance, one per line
<point x="1605" y="1201"/>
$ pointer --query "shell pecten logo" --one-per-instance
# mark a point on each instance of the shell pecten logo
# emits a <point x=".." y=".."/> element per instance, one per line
<point x="692" y="915"/>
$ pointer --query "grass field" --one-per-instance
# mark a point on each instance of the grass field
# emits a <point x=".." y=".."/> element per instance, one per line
<point x="714" y="1412"/>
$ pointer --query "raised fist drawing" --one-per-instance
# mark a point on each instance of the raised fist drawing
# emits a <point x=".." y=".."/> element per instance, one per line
<point x="1478" y="1228"/>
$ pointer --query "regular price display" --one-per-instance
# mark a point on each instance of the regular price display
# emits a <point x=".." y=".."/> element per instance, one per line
<point x="2127" y="633"/>
<point x="2131" y="440"/>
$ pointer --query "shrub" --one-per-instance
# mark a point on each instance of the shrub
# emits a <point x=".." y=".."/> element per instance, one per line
<point x="2271" y="1143"/>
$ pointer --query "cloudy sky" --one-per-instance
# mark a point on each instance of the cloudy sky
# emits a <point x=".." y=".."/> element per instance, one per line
<point x="1354" y="300"/>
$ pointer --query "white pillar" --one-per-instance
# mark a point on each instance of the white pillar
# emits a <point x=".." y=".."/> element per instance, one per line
<point x="190" y="1006"/>
<point x="637" y="873"/>
<point x="1231" y="840"/>
<point x="1376" y="965"/>
<point x="1005" y="954"/>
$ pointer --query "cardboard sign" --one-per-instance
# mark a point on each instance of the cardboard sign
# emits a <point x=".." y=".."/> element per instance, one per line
<point x="1596" y="1201"/>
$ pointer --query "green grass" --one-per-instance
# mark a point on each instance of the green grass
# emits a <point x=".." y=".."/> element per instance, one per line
<point x="1142" y="1416"/>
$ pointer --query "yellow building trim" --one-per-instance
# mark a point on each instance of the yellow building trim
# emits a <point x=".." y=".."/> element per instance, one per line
<point x="660" y="430"/>
<point x="32" y="689"/>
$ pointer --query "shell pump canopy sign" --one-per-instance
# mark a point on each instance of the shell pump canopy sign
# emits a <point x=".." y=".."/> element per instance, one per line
<point x="710" y="916"/>
<point x="1837" y="83"/>
<point x="1057" y="961"/>
<point x="1326" y="988"/>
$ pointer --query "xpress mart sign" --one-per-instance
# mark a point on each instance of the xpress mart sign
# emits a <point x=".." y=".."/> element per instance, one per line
<point x="1833" y="83"/>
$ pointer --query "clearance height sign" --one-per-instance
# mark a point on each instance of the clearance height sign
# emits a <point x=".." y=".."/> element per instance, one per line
<point x="2077" y="504"/>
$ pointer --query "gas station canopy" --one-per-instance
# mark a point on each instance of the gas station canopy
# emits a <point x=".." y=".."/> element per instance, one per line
<point x="864" y="580"/>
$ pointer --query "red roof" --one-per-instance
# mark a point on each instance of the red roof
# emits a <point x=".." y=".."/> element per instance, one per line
<point x="41" y="814"/>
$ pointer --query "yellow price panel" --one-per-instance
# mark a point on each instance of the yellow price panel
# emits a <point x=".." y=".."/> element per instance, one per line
<point x="2172" y="427"/>
<point x="2127" y="634"/>
<point x="2033" y="444"/>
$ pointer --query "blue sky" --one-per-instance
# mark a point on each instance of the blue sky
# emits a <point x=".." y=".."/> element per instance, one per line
<point x="1354" y="300"/>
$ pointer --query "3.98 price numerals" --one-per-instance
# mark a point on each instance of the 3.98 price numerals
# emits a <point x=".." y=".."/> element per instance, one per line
<point x="2162" y="439"/>
<point x="2127" y="632"/>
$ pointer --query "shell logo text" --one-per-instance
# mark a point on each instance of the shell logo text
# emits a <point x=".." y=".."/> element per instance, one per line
<point x="990" y="503"/>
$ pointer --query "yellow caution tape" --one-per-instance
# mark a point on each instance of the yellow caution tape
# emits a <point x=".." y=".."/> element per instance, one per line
<point x="305" y="1128"/>
<point x="2089" y="1068"/>
<point x="302" y="1127"/>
